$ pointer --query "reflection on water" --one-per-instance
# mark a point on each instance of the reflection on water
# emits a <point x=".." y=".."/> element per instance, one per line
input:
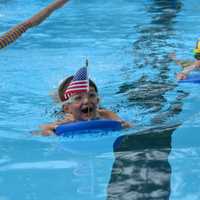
<point x="150" y="52"/>
<point x="141" y="169"/>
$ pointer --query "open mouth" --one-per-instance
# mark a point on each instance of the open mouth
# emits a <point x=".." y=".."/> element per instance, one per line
<point x="87" y="110"/>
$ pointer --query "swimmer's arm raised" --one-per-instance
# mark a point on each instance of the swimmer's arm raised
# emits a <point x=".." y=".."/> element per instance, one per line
<point x="17" y="31"/>
<point x="43" y="14"/>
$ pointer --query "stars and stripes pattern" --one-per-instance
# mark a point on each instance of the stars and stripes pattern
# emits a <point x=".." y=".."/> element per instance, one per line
<point x="79" y="83"/>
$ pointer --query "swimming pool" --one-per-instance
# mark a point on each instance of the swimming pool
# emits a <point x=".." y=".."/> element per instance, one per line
<point x="127" y="44"/>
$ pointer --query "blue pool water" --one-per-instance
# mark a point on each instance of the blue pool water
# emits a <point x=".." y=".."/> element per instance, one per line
<point x="127" y="44"/>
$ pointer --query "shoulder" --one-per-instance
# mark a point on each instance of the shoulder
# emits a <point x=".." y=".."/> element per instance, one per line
<point x="67" y="118"/>
<point x="108" y="114"/>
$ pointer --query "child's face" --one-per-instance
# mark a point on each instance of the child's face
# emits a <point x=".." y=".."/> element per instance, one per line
<point x="83" y="106"/>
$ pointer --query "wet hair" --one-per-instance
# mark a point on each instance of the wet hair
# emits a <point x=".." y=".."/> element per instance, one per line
<point x="65" y="83"/>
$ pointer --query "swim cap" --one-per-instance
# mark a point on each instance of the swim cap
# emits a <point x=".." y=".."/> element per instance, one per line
<point x="197" y="49"/>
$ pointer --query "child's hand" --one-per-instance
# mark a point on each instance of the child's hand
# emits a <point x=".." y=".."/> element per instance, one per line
<point x="181" y="76"/>
<point x="44" y="132"/>
<point x="126" y="124"/>
<point x="47" y="129"/>
<point x="47" y="132"/>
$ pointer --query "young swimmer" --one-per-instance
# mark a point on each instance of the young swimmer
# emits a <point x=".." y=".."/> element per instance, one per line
<point x="18" y="30"/>
<point x="80" y="104"/>
<point x="188" y="66"/>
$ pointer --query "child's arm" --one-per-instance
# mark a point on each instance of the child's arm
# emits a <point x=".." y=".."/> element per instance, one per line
<point x="183" y="75"/>
<point x="17" y="31"/>
<point x="48" y="129"/>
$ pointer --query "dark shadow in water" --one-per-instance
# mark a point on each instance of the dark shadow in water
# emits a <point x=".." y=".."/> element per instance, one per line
<point x="154" y="38"/>
<point x="141" y="170"/>
<point x="151" y="58"/>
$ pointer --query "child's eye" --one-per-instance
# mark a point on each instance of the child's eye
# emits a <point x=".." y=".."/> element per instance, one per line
<point x="92" y="95"/>
<point x="77" y="98"/>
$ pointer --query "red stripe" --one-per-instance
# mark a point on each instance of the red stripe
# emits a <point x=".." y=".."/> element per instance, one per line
<point x="70" y="93"/>
<point x="27" y="24"/>
<point x="75" y="86"/>
<point x="77" y="90"/>
<point x="74" y="92"/>
<point x="78" y="82"/>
